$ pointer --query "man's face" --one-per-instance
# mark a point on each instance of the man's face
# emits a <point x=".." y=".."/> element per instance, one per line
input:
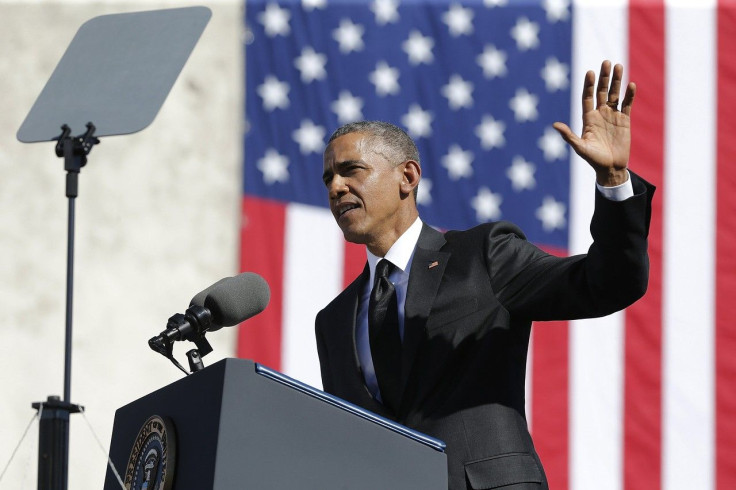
<point x="363" y="188"/>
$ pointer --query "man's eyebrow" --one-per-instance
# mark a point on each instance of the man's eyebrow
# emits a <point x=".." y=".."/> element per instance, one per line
<point x="339" y="165"/>
<point x="345" y="163"/>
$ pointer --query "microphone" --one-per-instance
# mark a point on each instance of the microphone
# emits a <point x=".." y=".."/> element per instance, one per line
<point x="227" y="302"/>
<point x="199" y="298"/>
<point x="235" y="299"/>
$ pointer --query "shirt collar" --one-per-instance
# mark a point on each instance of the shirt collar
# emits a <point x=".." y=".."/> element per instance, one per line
<point x="400" y="252"/>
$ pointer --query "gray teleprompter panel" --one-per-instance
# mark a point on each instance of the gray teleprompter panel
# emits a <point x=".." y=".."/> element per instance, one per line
<point x="116" y="73"/>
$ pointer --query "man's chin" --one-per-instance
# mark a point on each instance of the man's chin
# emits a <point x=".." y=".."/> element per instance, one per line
<point x="353" y="237"/>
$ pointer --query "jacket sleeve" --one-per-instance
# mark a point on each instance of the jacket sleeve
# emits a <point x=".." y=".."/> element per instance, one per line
<point x="534" y="285"/>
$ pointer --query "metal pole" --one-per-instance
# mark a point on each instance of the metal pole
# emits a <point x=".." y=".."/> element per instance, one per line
<point x="69" y="292"/>
<point x="53" y="434"/>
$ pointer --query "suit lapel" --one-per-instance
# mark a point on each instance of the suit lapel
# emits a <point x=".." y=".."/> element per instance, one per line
<point x="343" y="325"/>
<point x="427" y="267"/>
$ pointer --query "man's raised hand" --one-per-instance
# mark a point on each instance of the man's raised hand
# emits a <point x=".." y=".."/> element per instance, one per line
<point x="605" y="141"/>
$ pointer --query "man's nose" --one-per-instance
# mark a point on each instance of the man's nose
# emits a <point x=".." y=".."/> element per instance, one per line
<point x="337" y="187"/>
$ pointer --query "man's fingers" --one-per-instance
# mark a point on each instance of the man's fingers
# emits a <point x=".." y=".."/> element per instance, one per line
<point x="603" y="79"/>
<point x="613" y="92"/>
<point x="629" y="99"/>
<point x="567" y="134"/>
<point x="588" y="91"/>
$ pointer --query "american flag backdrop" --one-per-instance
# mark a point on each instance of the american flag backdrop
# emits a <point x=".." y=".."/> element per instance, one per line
<point x="642" y="399"/>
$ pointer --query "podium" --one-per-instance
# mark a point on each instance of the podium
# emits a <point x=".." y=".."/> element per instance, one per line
<point x="238" y="424"/>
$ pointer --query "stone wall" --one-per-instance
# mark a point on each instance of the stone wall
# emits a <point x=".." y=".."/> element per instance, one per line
<point x="157" y="221"/>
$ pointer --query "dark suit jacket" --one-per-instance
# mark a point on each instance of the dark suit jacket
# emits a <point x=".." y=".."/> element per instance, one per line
<point x="467" y="325"/>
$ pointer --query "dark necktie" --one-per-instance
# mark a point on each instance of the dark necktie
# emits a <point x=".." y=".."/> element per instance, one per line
<point x="383" y="328"/>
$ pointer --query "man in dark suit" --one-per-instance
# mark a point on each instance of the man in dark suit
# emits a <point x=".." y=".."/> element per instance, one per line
<point x="434" y="332"/>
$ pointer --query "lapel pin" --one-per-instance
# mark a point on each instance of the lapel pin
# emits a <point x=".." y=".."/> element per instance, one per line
<point x="434" y="264"/>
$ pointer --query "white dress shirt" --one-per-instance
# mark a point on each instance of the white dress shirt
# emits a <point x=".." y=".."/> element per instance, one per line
<point x="619" y="192"/>
<point x="400" y="255"/>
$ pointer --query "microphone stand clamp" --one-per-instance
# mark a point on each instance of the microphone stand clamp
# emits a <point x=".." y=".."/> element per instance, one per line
<point x="190" y="326"/>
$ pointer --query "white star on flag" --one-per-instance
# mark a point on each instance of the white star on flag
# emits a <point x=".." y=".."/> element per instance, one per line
<point x="551" y="213"/>
<point x="349" y="36"/>
<point x="552" y="144"/>
<point x="554" y="75"/>
<point x="487" y="205"/>
<point x="424" y="194"/>
<point x="458" y="163"/>
<point x="275" y="20"/>
<point x="386" y="11"/>
<point x="526" y="34"/>
<point x="556" y="9"/>
<point x="458" y="92"/>
<point x="310" y="5"/>
<point x="494" y="3"/>
<point x="524" y="105"/>
<point x="274" y="167"/>
<point x="311" y="65"/>
<point x="459" y="20"/>
<point x="274" y="93"/>
<point x="493" y="62"/>
<point x="490" y="132"/>
<point x="347" y="107"/>
<point x="385" y="78"/>
<point x="521" y="174"/>
<point x="419" y="48"/>
<point x="310" y="137"/>
<point x="418" y="122"/>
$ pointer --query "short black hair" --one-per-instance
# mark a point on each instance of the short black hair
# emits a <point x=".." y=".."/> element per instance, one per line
<point x="393" y="136"/>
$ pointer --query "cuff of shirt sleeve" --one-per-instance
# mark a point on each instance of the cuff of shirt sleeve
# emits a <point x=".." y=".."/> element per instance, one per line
<point x="619" y="192"/>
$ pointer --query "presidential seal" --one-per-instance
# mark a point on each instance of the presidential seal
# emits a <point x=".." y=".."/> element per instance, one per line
<point x="152" y="459"/>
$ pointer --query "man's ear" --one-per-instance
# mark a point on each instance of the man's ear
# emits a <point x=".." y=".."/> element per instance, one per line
<point x="411" y="176"/>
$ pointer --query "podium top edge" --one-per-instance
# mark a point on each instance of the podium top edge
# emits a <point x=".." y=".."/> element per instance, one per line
<point x="429" y="441"/>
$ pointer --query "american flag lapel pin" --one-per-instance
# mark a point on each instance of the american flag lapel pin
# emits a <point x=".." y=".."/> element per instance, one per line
<point x="434" y="264"/>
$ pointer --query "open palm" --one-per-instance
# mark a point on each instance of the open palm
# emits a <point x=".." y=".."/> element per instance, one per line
<point x="605" y="141"/>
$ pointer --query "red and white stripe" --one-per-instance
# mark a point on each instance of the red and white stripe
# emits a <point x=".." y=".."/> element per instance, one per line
<point x="301" y="253"/>
<point x="652" y="390"/>
<point x="725" y="259"/>
<point x="642" y="399"/>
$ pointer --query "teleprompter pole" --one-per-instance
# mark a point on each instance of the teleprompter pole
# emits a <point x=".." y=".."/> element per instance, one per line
<point x="53" y="433"/>
<point x="74" y="150"/>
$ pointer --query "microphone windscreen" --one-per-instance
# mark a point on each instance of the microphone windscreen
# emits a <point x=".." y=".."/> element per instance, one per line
<point x="199" y="298"/>
<point x="235" y="299"/>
